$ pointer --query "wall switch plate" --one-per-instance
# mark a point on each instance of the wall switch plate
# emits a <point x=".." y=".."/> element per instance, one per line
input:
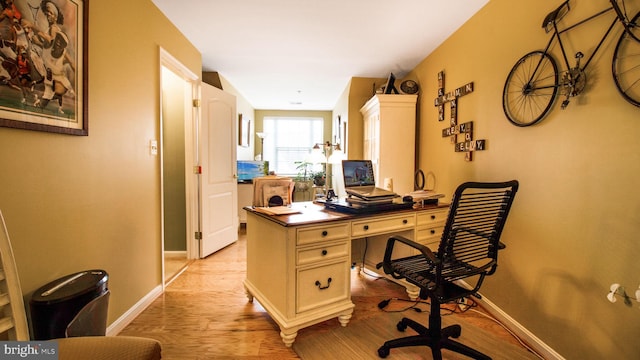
<point x="153" y="147"/>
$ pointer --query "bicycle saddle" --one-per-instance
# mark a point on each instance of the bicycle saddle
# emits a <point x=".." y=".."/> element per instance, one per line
<point x="555" y="15"/>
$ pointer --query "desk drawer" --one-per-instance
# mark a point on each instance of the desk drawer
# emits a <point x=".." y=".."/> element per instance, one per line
<point x="383" y="225"/>
<point x="432" y="233"/>
<point x="322" y="233"/>
<point x="322" y="253"/>
<point x="432" y="217"/>
<point x="321" y="286"/>
<point x="430" y="236"/>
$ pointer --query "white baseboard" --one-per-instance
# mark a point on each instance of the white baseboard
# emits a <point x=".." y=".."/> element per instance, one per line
<point x="176" y="252"/>
<point x="520" y="331"/>
<point x="133" y="312"/>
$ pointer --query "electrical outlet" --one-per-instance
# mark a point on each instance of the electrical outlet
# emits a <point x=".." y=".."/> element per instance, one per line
<point x="618" y="290"/>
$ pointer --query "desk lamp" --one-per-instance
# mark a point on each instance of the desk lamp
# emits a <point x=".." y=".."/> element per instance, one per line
<point x="329" y="154"/>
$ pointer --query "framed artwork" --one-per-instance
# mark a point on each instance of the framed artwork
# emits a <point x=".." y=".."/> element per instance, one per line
<point x="43" y="76"/>
<point x="244" y="130"/>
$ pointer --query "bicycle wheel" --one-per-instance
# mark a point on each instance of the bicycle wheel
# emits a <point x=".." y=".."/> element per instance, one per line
<point x="530" y="89"/>
<point x="626" y="66"/>
<point x="623" y="9"/>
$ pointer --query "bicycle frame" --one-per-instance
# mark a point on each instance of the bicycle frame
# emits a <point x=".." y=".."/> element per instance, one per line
<point x="557" y="33"/>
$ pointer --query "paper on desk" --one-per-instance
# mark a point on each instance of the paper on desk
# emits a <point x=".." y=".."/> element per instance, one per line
<point x="425" y="195"/>
<point x="276" y="210"/>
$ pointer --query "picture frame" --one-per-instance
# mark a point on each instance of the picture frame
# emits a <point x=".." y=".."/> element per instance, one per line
<point x="44" y="72"/>
<point x="244" y="130"/>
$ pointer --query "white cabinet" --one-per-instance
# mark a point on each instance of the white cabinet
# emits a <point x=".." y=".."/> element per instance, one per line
<point x="389" y="139"/>
<point x="245" y="198"/>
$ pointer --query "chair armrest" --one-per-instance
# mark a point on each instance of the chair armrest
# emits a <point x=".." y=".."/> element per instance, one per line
<point x="426" y="252"/>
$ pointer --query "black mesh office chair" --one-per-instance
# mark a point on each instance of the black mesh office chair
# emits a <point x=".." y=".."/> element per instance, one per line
<point x="468" y="251"/>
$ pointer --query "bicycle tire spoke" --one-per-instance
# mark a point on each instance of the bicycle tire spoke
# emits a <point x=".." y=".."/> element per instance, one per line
<point x="530" y="89"/>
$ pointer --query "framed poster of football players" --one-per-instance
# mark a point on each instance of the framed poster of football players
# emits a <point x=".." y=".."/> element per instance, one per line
<point x="43" y="72"/>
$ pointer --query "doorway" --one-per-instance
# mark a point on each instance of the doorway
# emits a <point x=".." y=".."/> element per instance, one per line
<point x="177" y="115"/>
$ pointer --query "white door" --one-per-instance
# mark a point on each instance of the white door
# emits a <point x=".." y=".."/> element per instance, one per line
<point x="218" y="182"/>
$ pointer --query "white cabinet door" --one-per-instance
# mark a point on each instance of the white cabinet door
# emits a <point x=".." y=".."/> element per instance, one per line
<point x="389" y="139"/>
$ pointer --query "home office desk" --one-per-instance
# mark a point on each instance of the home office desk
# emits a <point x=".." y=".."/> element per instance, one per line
<point x="298" y="265"/>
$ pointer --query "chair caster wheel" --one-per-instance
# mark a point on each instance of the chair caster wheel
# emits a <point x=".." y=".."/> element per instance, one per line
<point x="457" y="330"/>
<point x="383" y="352"/>
<point x="401" y="326"/>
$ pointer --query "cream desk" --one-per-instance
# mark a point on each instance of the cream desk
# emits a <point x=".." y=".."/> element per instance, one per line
<point x="298" y="265"/>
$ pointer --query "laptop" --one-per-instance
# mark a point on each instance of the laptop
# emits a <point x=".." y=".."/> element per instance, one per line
<point x="359" y="181"/>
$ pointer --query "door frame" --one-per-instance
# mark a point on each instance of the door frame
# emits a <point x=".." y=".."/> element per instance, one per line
<point x="191" y="120"/>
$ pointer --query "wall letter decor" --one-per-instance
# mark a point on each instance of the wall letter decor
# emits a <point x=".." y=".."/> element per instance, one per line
<point x="467" y="144"/>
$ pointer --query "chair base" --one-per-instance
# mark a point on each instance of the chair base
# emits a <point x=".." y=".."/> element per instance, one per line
<point x="436" y="339"/>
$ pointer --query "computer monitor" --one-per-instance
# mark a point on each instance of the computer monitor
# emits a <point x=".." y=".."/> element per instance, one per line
<point x="358" y="173"/>
<point x="248" y="170"/>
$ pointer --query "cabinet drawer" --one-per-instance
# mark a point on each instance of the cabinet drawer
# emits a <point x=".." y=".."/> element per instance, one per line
<point x="323" y="285"/>
<point x="383" y="225"/>
<point x="322" y="233"/>
<point x="432" y="233"/>
<point x="430" y="237"/>
<point x="323" y="253"/>
<point x="432" y="217"/>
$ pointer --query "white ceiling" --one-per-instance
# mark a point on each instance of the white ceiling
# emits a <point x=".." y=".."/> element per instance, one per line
<point x="300" y="54"/>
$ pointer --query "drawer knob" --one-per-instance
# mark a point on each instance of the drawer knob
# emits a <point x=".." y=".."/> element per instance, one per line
<point x="433" y="231"/>
<point x="324" y="252"/>
<point x="325" y="233"/>
<point x="319" y="285"/>
<point x="366" y="227"/>
<point x="405" y="221"/>
<point x="433" y="217"/>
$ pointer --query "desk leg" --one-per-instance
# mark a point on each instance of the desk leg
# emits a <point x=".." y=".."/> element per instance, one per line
<point x="288" y="336"/>
<point x="344" y="318"/>
<point x="412" y="291"/>
<point x="248" y="293"/>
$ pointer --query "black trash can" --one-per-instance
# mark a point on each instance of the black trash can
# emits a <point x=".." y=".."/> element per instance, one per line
<point x="55" y="304"/>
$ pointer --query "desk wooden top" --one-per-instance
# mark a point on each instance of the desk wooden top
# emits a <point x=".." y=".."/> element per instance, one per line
<point x="312" y="213"/>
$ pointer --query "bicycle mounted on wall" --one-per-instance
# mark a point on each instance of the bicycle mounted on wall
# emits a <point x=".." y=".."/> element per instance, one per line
<point x="534" y="82"/>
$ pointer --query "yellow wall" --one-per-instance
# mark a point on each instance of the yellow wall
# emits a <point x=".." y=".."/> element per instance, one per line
<point x="575" y="221"/>
<point x="360" y="90"/>
<point x="248" y="112"/>
<point x="74" y="203"/>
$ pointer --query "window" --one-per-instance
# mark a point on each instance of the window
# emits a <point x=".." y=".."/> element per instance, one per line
<point x="290" y="139"/>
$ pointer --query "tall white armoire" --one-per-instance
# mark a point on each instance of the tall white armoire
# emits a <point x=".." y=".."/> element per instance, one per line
<point x="389" y="139"/>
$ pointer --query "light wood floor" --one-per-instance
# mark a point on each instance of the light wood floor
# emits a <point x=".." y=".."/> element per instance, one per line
<point x="174" y="263"/>
<point x="204" y="313"/>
